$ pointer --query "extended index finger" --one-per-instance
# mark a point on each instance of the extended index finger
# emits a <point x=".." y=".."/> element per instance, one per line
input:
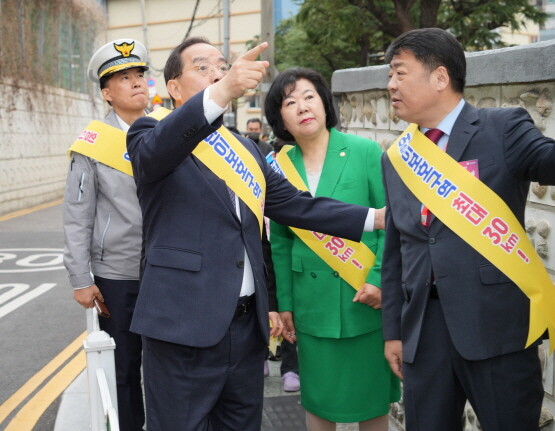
<point x="255" y="52"/>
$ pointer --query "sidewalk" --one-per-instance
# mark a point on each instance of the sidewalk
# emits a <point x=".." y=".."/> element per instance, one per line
<point x="282" y="411"/>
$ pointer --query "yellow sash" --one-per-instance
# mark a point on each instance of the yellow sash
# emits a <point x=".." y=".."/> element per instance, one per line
<point x="104" y="143"/>
<point x="480" y="217"/>
<point x="352" y="260"/>
<point x="230" y="161"/>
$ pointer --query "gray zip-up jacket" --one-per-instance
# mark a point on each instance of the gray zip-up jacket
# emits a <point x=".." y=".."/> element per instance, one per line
<point x="102" y="221"/>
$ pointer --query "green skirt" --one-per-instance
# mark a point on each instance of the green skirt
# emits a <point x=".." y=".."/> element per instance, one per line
<point x="346" y="380"/>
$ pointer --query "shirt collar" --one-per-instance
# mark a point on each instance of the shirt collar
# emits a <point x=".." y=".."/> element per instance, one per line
<point x="446" y="125"/>
<point x="124" y="126"/>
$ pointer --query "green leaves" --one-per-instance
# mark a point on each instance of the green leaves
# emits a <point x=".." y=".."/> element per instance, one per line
<point x="336" y="34"/>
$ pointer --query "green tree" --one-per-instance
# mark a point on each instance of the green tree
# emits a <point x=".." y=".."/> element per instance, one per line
<point x="336" y="34"/>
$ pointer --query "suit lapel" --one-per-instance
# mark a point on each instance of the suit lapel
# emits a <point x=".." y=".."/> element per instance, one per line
<point x="336" y="158"/>
<point x="296" y="156"/>
<point x="461" y="134"/>
<point x="219" y="186"/>
<point x="463" y="131"/>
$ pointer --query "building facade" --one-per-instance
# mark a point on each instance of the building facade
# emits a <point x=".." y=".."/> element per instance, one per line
<point x="45" y="97"/>
<point x="163" y="24"/>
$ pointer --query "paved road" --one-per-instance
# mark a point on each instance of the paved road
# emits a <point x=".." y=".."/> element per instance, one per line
<point x="38" y="317"/>
<point x="39" y="320"/>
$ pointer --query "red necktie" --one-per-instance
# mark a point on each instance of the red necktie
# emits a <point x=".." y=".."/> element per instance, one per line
<point x="433" y="135"/>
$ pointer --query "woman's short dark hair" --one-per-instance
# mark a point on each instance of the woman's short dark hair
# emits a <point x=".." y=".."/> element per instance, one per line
<point x="174" y="65"/>
<point x="284" y="83"/>
<point x="433" y="47"/>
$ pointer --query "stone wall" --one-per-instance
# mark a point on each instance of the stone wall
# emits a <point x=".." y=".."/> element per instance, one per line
<point x="518" y="76"/>
<point x="36" y="129"/>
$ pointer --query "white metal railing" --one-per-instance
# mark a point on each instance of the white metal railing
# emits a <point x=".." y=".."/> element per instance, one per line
<point x="101" y="373"/>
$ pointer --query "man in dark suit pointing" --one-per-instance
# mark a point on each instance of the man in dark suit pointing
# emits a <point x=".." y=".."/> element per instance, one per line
<point x="203" y="307"/>
<point x="455" y="325"/>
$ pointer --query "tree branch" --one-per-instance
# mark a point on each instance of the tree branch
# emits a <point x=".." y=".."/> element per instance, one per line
<point x="428" y="13"/>
<point x="386" y="22"/>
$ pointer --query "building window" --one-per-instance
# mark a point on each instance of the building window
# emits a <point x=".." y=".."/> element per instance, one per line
<point x="49" y="43"/>
<point x="253" y="100"/>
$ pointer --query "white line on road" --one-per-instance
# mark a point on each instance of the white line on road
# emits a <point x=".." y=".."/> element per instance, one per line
<point x="15" y="289"/>
<point x="23" y="299"/>
<point x="13" y="271"/>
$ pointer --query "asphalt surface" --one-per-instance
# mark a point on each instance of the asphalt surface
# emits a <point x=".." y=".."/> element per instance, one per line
<point x="39" y="319"/>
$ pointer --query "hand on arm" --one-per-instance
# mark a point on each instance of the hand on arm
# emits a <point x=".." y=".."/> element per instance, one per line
<point x="85" y="296"/>
<point x="394" y="354"/>
<point x="370" y="295"/>
<point x="246" y="73"/>
<point x="289" y="326"/>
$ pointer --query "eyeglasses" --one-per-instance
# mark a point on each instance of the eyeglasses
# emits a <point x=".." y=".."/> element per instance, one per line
<point x="206" y="69"/>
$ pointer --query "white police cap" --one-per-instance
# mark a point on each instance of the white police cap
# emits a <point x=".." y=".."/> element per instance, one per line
<point x="115" y="56"/>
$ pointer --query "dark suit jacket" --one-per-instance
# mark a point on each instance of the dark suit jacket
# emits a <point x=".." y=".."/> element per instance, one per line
<point x="270" y="273"/>
<point x="486" y="314"/>
<point x="194" y="241"/>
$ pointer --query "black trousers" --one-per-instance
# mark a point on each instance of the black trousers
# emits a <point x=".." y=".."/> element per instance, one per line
<point x="506" y="391"/>
<point x="120" y="297"/>
<point x="218" y="388"/>
<point x="289" y="359"/>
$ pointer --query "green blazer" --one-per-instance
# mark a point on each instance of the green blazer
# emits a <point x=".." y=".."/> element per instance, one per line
<point x="321" y="302"/>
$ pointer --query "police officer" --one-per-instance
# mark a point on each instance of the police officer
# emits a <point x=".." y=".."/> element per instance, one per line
<point x="102" y="217"/>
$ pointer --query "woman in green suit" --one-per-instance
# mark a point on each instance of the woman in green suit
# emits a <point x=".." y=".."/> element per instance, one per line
<point x="344" y="375"/>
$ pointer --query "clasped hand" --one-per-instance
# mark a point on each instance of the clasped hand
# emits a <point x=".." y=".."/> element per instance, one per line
<point x="370" y="295"/>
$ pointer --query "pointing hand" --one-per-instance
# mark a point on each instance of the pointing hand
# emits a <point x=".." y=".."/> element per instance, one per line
<point x="246" y="73"/>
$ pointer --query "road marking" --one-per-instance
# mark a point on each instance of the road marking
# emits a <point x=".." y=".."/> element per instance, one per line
<point x="24" y="260"/>
<point x="30" y="413"/>
<point x="13" y="271"/>
<point x="30" y="210"/>
<point x="23" y="299"/>
<point x="34" y="382"/>
<point x="15" y="289"/>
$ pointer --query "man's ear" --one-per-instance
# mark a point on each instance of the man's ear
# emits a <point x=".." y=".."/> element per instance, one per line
<point x="173" y="89"/>
<point x="106" y="93"/>
<point x="441" y="78"/>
